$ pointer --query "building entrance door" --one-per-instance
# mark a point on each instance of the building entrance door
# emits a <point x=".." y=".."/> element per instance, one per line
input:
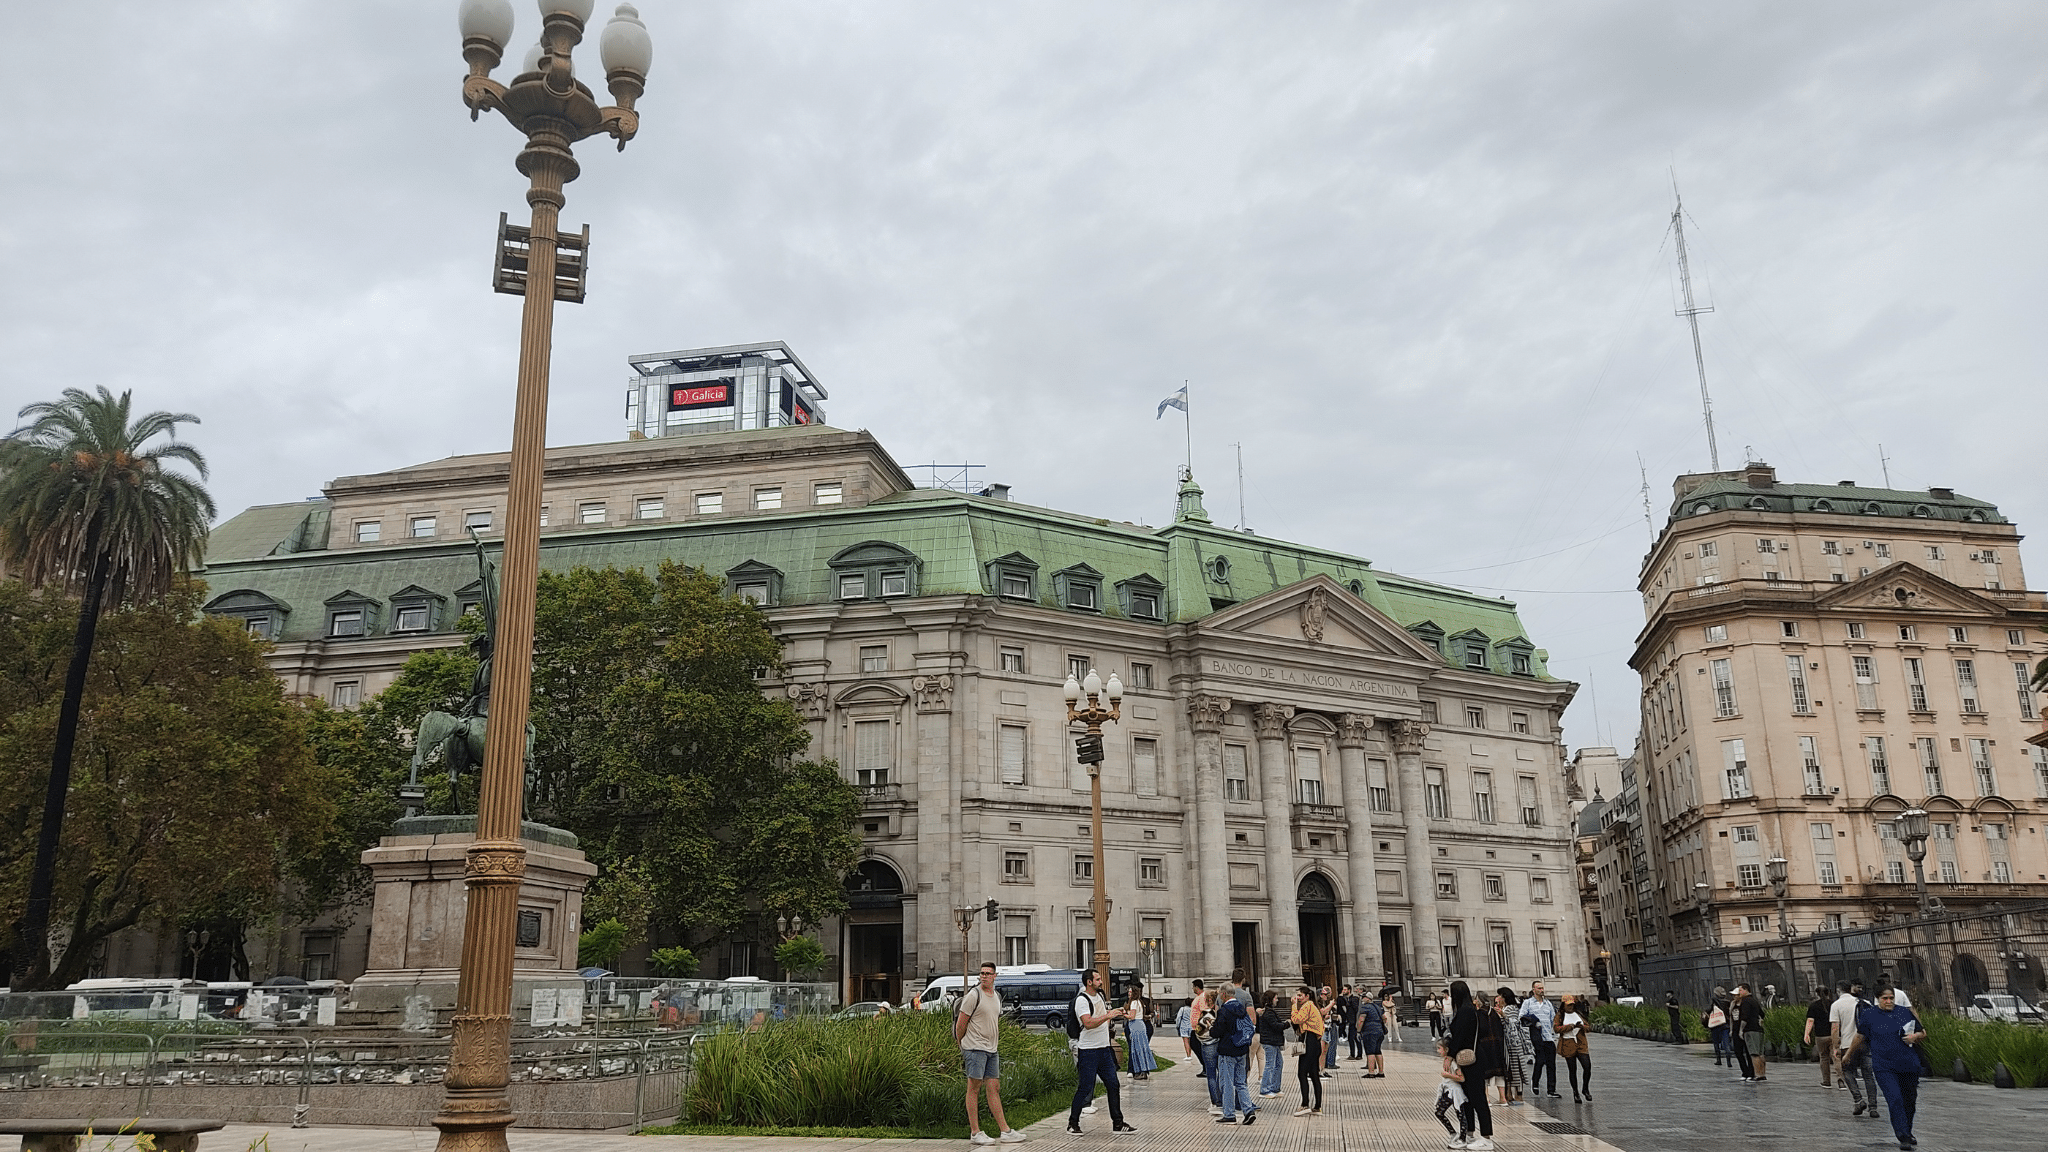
<point x="1244" y="953"/>
<point x="1395" y="958"/>
<point x="874" y="934"/>
<point x="1316" y="900"/>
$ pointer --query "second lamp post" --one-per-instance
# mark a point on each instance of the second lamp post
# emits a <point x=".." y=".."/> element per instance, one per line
<point x="1088" y="749"/>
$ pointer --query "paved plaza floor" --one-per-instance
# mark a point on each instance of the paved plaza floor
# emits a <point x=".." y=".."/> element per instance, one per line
<point x="1650" y="1097"/>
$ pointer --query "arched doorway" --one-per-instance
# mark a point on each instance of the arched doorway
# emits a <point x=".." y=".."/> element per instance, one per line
<point x="873" y="944"/>
<point x="1315" y="898"/>
<point x="1971" y="979"/>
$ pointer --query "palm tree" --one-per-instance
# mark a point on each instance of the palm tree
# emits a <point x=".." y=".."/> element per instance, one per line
<point x="88" y="509"/>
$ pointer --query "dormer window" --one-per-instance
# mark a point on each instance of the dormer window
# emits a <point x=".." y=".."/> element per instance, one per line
<point x="1357" y="588"/>
<point x="1013" y="577"/>
<point x="262" y="615"/>
<point x="874" y="569"/>
<point x="1472" y="648"/>
<point x="1219" y="569"/>
<point x="415" y="609"/>
<point x="1521" y="657"/>
<point x="350" y="615"/>
<point x="1475" y="656"/>
<point x="1079" y="588"/>
<point x="756" y="583"/>
<point x="1429" y="634"/>
<point x="1702" y="509"/>
<point x="1142" y="597"/>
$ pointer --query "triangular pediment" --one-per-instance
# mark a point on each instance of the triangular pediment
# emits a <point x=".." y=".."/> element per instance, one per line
<point x="1906" y="587"/>
<point x="1322" y="612"/>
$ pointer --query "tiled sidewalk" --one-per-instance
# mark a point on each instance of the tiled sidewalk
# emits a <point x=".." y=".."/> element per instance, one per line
<point x="1170" y="1112"/>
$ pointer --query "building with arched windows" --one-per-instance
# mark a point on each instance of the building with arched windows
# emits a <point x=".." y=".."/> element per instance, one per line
<point x="1322" y="771"/>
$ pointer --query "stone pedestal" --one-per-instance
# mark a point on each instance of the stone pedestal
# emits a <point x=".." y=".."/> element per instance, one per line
<point x="417" y="915"/>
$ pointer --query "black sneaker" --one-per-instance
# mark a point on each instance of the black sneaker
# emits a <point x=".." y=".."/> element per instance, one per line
<point x="1225" y="1120"/>
<point x="1073" y="1130"/>
<point x="1120" y="1126"/>
<point x="1251" y="1116"/>
<point x="1860" y="1106"/>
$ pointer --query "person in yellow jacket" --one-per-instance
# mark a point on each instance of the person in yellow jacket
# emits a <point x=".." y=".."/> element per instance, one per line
<point x="1307" y="1017"/>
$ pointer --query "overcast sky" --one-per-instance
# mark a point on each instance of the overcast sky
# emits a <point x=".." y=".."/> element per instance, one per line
<point x="1413" y="257"/>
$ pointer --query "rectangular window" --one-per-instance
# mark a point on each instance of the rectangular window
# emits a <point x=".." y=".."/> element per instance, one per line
<point x="874" y="658"/>
<point x="347" y="693"/>
<point x="1145" y="766"/>
<point x="1930" y="765"/>
<point x="1236" y="783"/>
<point x="1788" y="628"/>
<point x="1145" y="605"/>
<point x="1308" y="769"/>
<point x="647" y="508"/>
<point x="853" y="587"/>
<point x="1428" y="711"/>
<point x="1475" y="717"/>
<point x="1948" y="871"/>
<point x="825" y="493"/>
<point x="1895" y="872"/>
<point x="1756" y="923"/>
<point x="411" y="618"/>
<point x="479" y="521"/>
<point x="1451" y="938"/>
<point x="1475" y="656"/>
<point x="1831" y="548"/>
<point x="1958" y="635"/>
<point x="543" y="515"/>
<point x="1855" y="631"/>
<point x="1015" y="586"/>
<point x="1934" y="552"/>
<point x="1497" y="944"/>
<point x="1539" y="889"/>
<point x="767" y="499"/>
<point x="1734" y="770"/>
<point x="1012" y="743"/>
<point x="349" y="623"/>
<point x="1724" y="688"/>
<point x="751" y="593"/>
<point x="369" y="531"/>
<point x="1709" y="548"/>
<point x="1767" y="547"/>
<point x="2040" y="757"/>
<point x="1016" y="939"/>
<point x="2015" y="638"/>
<point x="1016" y="867"/>
<point x="1518" y="722"/>
<point x="1717" y="633"/>
<point x="590" y="513"/>
<point x="1525" y="792"/>
<point x="1546" y="951"/>
<point x="1884" y="551"/>
<point x="1447" y="885"/>
<point x="1745" y="834"/>
<point x="1749" y="875"/>
<point x="1151" y="872"/>
<point x="1496" y="886"/>
<point x="2021" y="682"/>
<point x="1916" y="684"/>
<point x="1831" y="922"/>
<point x="710" y="503"/>
<point x="1908" y="632"/>
<point x="1482" y="797"/>
<point x="1865" y="669"/>
<point x="1980" y="766"/>
<point x="1435" y="798"/>
<point x="422" y="527"/>
<point x="895" y="583"/>
<point x="1080" y="595"/>
<point x="1152" y="946"/>
<point x="1966" y="684"/>
<point x="1010" y="659"/>
<point x="1084" y="947"/>
<point x="872" y="753"/>
<point x="1141" y="675"/>
<point x="1380" y="799"/>
<point x="1084" y="868"/>
<point x="1795" y="671"/>
<point x="1823" y="836"/>
<point x="2001" y="872"/>
<point x="1809" y="760"/>
<point x="1880" y="766"/>
<point x="1079" y="666"/>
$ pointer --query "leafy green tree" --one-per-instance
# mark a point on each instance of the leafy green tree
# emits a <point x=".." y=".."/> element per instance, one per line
<point x="655" y="745"/>
<point x="799" y="955"/>
<point x="677" y="963"/>
<point x="196" y="790"/>
<point x="88" y="506"/>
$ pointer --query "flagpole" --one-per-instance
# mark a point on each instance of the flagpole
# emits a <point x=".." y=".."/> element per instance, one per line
<point x="1187" y="423"/>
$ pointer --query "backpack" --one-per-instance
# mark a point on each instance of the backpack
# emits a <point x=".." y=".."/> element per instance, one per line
<point x="1074" y="1016"/>
<point x="1245" y="1032"/>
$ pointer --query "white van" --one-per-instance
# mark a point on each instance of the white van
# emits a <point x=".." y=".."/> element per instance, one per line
<point x="124" y="999"/>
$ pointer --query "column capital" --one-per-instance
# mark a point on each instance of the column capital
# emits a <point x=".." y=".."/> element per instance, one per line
<point x="1270" y="720"/>
<point x="1205" y="713"/>
<point x="1409" y="735"/>
<point x="1354" y="728"/>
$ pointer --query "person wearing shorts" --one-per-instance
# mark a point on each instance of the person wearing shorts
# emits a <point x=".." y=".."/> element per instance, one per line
<point x="976" y="1029"/>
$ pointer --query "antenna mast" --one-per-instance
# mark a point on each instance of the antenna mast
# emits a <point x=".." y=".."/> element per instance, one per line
<point x="1650" y="523"/>
<point x="1691" y="312"/>
<point x="1240" y="485"/>
<point x="1885" y="462"/>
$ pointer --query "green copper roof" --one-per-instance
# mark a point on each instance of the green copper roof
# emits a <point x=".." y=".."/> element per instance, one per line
<point x="1849" y="499"/>
<point x="954" y="536"/>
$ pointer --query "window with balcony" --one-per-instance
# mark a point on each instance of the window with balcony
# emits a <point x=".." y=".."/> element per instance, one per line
<point x="1308" y="769"/>
<point x="1749" y="875"/>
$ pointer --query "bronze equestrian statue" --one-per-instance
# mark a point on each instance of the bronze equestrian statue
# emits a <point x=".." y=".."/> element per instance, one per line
<point x="460" y="738"/>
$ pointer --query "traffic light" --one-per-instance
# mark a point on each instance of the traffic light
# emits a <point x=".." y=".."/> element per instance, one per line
<point x="1088" y="749"/>
<point x="994" y="910"/>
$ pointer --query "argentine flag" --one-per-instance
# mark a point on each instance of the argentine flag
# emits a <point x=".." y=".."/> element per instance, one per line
<point x="1177" y="400"/>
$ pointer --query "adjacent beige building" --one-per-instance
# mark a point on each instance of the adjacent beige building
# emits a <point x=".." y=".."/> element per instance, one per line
<point x="1818" y="658"/>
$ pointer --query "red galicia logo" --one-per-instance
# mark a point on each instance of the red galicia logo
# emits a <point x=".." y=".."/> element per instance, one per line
<point x="699" y="397"/>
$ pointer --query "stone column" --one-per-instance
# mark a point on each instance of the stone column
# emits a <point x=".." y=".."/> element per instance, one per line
<point x="1352" y="729"/>
<point x="1276" y="784"/>
<point x="1428" y="951"/>
<point x="1210" y="843"/>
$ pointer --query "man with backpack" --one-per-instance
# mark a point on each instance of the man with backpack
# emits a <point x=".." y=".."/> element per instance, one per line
<point x="1235" y="1032"/>
<point x="975" y="1029"/>
<point x="1088" y="1021"/>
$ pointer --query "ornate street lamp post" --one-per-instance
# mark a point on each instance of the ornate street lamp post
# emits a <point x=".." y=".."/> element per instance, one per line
<point x="553" y="111"/>
<point x="1912" y="827"/>
<point x="1779" y="870"/>
<point x="1088" y="749"/>
<point x="1704" y="894"/>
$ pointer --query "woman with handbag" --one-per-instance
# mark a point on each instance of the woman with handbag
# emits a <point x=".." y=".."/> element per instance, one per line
<point x="1139" y="1032"/>
<point x="1572" y="1030"/>
<point x="1307" y="1018"/>
<point x="1475" y="1048"/>
<point x="1716" y="1021"/>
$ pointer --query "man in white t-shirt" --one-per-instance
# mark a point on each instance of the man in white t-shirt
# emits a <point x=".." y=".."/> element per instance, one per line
<point x="1094" y="1055"/>
<point x="1855" y="1070"/>
<point x="976" y="1029"/>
